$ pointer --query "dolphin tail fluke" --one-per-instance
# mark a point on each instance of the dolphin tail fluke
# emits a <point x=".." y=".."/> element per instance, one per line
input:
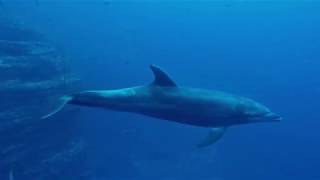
<point x="213" y="136"/>
<point x="65" y="100"/>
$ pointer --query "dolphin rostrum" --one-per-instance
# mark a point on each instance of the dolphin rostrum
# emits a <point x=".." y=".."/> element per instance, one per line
<point x="164" y="99"/>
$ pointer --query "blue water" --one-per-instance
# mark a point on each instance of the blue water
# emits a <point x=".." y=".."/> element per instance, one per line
<point x="265" y="50"/>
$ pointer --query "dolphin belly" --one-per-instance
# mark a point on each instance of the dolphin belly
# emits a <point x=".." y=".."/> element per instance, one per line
<point x="182" y="117"/>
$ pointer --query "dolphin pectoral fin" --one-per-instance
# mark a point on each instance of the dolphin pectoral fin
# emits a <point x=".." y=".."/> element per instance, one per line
<point x="161" y="78"/>
<point x="213" y="136"/>
<point x="64" y="100"/>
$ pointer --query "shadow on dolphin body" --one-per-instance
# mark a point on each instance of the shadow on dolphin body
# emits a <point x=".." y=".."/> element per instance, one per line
<point x="164" y="99"/>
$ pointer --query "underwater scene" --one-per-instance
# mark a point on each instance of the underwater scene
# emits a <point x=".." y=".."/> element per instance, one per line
<point x="159" y="90"/>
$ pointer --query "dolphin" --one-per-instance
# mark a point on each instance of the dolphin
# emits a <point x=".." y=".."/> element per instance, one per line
<point x="11" y="177"/>
<point x="164" y="99"/>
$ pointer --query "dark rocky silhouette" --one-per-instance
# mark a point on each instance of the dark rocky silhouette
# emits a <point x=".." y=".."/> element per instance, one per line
<point x="32" y="75"/>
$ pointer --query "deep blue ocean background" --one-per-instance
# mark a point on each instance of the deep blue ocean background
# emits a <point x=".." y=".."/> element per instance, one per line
<point x="267" y="50"/>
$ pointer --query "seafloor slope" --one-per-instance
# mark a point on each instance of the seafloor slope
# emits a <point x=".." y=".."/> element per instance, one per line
<point x="33" y="74"/>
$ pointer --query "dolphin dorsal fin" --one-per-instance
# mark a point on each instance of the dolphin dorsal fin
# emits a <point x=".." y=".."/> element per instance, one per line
<point x="160" y="77"/>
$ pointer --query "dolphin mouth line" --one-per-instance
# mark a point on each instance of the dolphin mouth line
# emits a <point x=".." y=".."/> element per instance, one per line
<point x="269" y="117"/>
<point x="274" y="117"/>
<point x="278" y="119"/>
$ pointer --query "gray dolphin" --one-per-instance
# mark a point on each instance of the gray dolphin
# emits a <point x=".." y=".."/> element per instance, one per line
<point x="164" y="99"/>
<point x="11" y="177"/>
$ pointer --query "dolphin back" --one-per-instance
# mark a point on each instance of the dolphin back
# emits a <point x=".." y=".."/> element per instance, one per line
<point x="64" y="100"/>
